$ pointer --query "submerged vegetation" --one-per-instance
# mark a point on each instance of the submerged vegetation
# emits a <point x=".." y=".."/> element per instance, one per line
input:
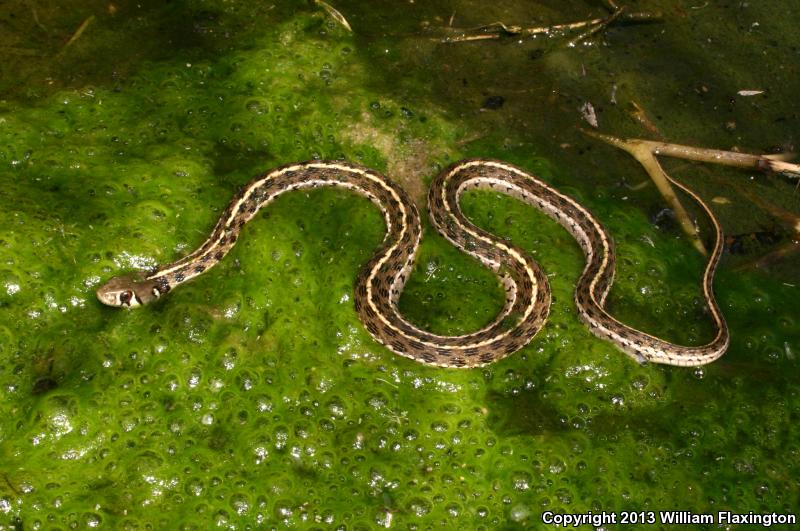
<point x="253" y="395"/>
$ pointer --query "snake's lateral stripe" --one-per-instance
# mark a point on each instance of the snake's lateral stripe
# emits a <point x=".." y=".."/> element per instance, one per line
<point x="382" y="279"/>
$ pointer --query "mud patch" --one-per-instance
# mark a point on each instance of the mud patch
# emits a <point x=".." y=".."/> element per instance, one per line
<point x="410" y="159"/>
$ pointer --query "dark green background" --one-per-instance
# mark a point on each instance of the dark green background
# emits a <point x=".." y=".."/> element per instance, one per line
<point x="253" y="396"/>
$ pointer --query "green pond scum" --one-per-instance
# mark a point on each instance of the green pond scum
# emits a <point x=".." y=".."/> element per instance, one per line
<point x="253" y="397"/>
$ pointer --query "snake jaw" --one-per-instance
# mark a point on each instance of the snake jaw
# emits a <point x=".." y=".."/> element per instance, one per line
<point x="126" y="291"/>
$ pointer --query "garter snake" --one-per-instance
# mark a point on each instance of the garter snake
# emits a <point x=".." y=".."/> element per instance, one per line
<point x="381" y="281"/>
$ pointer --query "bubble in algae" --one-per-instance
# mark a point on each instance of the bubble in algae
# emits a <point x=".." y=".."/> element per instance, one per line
<point x="92" y="520"/>
<point x="521" y="481"/>
<point x="419" y="506"/>
<point x="240" y="504"/>
<point x="519" y="513"/>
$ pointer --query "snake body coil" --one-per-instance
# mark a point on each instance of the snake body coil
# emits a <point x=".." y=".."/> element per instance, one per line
<point x="381" y="281"/>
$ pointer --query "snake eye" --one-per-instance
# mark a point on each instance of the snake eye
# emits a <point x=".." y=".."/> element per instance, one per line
<point x="125" y="298"/>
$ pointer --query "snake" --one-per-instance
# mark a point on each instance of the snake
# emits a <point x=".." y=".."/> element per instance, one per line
<point x="380" y="282"/>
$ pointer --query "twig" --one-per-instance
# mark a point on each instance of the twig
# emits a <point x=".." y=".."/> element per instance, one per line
<point x="335" y="14"/>
<point x="35" y="15"/>
<point x="645" y="151"/>
<point x="10" y="485"/>
<point x="640" y="116"/>
<point x="498" y="30"/>
<point x="778" y="163"/>
<point x="386" y="382"/>
<point x="79" y="31"/>
<point x="768" y="163"/>
<point x="591" y="31"/>
<point x="11" y="50"/>
<point x="771" y="257"/>
<point x="788" y="219"/>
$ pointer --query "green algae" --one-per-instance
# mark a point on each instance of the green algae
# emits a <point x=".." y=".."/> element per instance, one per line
<point x="254" y="397"/>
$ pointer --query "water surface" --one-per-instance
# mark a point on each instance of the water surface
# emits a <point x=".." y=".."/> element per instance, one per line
<point x="253" y="396"/>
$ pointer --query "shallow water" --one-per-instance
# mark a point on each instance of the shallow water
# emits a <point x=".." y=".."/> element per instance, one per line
<point x="253" y="395"/>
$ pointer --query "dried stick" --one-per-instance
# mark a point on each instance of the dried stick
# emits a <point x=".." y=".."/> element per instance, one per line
<point x="641" y="151"/>
<point x="498" y="30"/>
<point x="335" y="14"/>
<point x="618" y="11"/>
<point x="35" y="15"/>
<point x="767" y="163"/>
<point x="645" y="151"/>
<point x="78" y="32"/>
<point x="787" y="219"/>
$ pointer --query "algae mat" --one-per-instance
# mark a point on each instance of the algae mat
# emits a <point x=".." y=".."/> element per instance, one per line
<point x="253" y="397"/>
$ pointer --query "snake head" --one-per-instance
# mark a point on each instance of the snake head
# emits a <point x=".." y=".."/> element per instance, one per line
<point x="128" y="291"/>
